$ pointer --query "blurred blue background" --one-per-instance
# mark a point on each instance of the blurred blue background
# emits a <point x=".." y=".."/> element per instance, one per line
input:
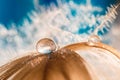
<point x="22" y="35"/>
<point x="16" y="10"/>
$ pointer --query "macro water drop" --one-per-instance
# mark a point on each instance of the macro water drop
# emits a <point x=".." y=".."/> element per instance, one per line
<point x="45" y="46"/>
<point x="93" y="39"/>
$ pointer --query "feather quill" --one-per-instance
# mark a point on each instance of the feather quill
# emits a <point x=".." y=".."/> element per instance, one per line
<point x="108" y="18"/>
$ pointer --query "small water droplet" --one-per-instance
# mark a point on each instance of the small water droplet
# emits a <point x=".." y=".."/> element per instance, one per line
<point x="93" y="39"/>
<point x="45" y="46"/>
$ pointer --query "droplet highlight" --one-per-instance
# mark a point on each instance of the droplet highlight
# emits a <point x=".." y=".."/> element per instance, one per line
<point x="45" y="46"/>
<point x="93" y="39"/>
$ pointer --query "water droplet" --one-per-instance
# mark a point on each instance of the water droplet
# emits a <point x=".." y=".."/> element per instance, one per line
<point x="93" y="39"/>
<point x="45" y="46"/>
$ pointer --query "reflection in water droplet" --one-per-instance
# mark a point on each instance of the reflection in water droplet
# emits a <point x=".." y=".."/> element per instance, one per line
<point x="93" y="39"/>
<point x="45" y="46"/>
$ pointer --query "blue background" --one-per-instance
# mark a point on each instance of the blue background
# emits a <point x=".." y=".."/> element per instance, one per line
<point x="16" y="10"/>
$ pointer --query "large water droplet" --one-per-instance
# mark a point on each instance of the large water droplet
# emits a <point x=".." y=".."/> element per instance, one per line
<point x="93" y="39"/>
<point x="45" y="46"/>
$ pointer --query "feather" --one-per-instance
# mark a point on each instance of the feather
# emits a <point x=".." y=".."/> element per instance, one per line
<point x="108" y="18"/>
